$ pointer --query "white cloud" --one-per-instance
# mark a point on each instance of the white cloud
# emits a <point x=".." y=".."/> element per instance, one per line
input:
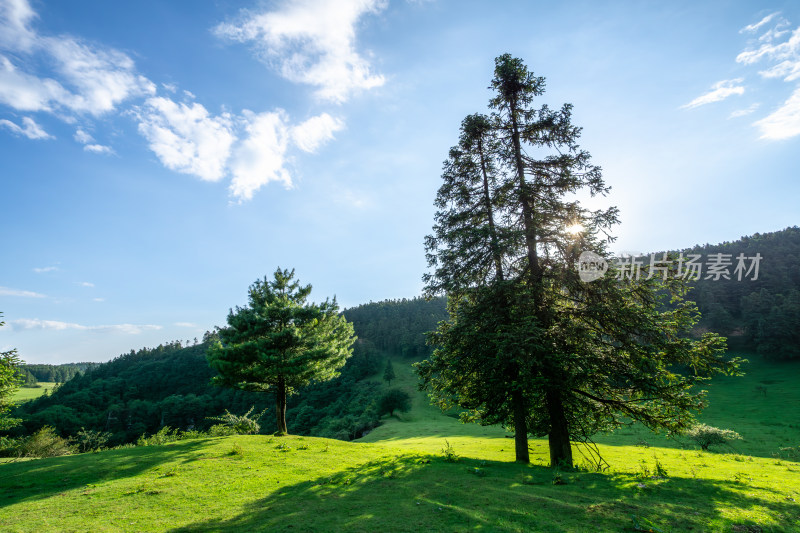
<point x="42" y="270"/>
<point x="186" y="325"/>
<point x="85" y="284"/>
<point x="186" y="138"/>
<point x="5" y="291"/>
<point x="82" y="137"/>
<point x="103" y="78"/>
<point x="754" y="27"/>
<point x="37" y="324"/>
<point x="311" y="42"/>
<point x="743" y="112"/>
<point x="784" y="122"/>
<point x="98" y="149"/>
<point x="316" y="131"/>
<point x="24" y="92"/>
<point x="719" y="91"/>
<point x="786" y="54"/>
<point x="98" y="299"/>
<point x="89" y="145"/>
<point x="259" y="158"/>
<point x="30" y="129"/>
<point x="15" y="16"/>
<point x="98" y="79"/>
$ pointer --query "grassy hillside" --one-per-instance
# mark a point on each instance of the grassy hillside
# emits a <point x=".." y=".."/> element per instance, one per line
<point x="401" y="481"/>
<point x="23" y="394"/>
<point x="251" y="484"/>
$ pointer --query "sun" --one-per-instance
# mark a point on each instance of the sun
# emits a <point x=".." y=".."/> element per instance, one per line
<point x="575" y="228"/>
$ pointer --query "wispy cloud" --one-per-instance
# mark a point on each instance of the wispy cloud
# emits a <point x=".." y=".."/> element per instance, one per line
<point x="5" y="291"/>
<point x="784" y="122"/>
<point x="750" y="28"/>
<point x="85" y="283"/>
<point x="785" y="55"/>
<point x="29" y="129"/>
<point x="719" y="91"/>
<point x="37" y="324"/>
<point x="42" y="270"/>
<point x="89" y="145"/>
<point x="311" y="42"/>
<point x="744" y="112"/>
<point x="187" y="325"/>
<point x="782" y="54"/>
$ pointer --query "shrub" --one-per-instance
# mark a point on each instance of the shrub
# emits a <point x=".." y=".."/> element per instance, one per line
<point x="706" y="436"/>
<point x="163" y="436"/>
<point x="89" y="440"/>
<point x="220" y="430"/>
<point x="394" y="400"/>
<point x="241" y="425"/>
<point x="44" y="443"/>
<point x="449" y="453"/>
<point x="9" y="446"/>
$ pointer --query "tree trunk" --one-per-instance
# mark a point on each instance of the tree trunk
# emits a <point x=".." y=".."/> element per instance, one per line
<point x="527" y="207"/>
<point x="487" y="199"/>
<point x="520" y="427"/>
<point x="280" y="407"/>
<point x="560" y="449"/>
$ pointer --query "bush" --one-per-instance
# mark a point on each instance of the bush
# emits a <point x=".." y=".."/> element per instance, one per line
<point x="394" y="400"/>
<point x="706" y="436"/>
<point x="163" y="436"/>
<point x="241" y="425"/>
<point x="220" y="430"/>
<point x="44" y="443"/>
<point x="9" y="446"/>
<point x="90" y="440"/>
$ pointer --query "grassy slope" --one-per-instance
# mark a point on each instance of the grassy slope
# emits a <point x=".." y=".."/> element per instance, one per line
<point x="400" y="482"/>
<point x="23" y="394"/>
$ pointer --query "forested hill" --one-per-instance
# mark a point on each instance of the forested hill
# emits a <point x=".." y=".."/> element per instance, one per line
<point x="33" y="373"/>
<point x="398" y="326"/>
<point x="141" y="391"/>
<point x="763" y="314"/>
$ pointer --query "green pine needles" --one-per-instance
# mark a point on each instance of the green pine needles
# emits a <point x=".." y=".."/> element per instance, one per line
<point x="279" y="342"/>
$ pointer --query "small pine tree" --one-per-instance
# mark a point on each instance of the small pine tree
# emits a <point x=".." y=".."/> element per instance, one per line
<point x="388" y="374"/>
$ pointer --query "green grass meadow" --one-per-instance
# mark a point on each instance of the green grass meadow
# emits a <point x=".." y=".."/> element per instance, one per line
<point x="23" y="394"/>
<point x="397" y="478"/>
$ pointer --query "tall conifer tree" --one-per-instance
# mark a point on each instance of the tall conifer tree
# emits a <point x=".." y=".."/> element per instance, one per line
<point x="529" y="344"/>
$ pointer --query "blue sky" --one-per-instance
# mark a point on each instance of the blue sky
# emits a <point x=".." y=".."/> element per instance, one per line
<point x="158" y="157"/>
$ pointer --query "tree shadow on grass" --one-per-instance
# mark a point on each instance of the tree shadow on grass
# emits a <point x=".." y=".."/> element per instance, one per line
<point x="38" y="479"/>
<point x="425" y="493"/>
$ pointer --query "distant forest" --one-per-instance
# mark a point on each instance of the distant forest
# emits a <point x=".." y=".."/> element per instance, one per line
<point x="169" y="385"/>
<point x="32" y="374"/>
<point x="762" y="315"/>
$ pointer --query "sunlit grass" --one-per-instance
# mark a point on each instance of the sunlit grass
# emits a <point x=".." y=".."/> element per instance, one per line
<point x="23" y="394"/>
<point x="401" y="481"/>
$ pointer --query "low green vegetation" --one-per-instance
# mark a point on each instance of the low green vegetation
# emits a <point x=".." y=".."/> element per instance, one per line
<point x="23" y="394"/>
